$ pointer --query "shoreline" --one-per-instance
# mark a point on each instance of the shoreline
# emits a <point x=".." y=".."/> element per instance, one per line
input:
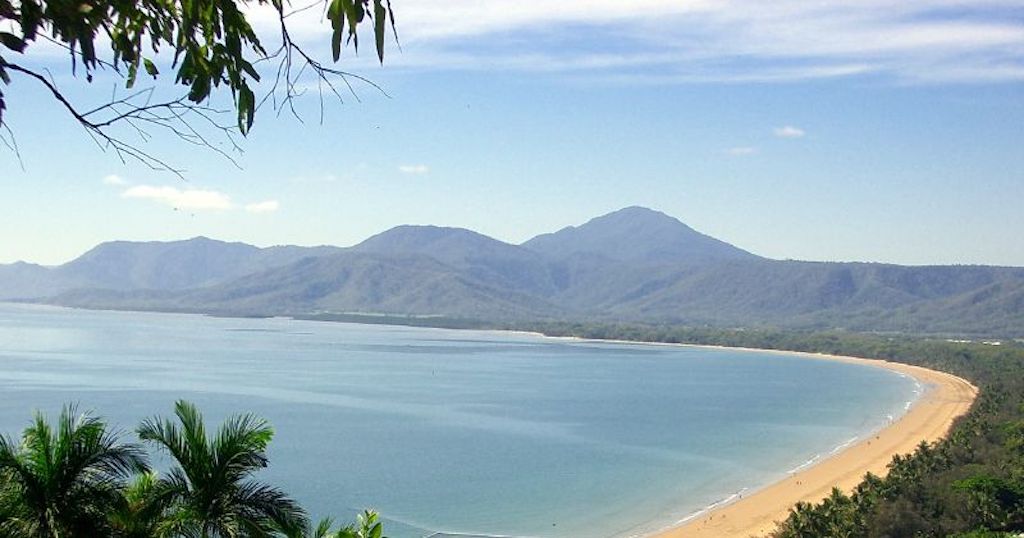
<point x="944" y="399"/>
<point x="755" y="511"/>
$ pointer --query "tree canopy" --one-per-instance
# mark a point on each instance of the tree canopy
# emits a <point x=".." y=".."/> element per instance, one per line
<point x="211" y="46"/>
<point x="77" y="478"/>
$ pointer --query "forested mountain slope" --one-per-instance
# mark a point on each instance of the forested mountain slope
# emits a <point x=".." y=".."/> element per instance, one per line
<point x="632" y="265"/>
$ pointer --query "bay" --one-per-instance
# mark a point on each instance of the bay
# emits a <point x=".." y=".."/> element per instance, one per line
<point x="459" y="431"/>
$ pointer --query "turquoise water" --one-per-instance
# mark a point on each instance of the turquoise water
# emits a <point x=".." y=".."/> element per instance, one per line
<point x="459" y="431"/>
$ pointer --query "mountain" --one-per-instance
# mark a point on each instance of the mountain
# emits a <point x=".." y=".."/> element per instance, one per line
<point x="23" y="280"/>
<point x="155" y="265"/>
<point x="857" y="296"/>
<point x="349" y="282"/>
<point x="634" y="265"/>
<point x="489" y="261"/>
<point x="637" y="235"/>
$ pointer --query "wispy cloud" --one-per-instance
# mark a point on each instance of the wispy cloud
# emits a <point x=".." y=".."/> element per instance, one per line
<point x="740" y="151"/>
<point x="192" y="199"/>
<point x="686" y="41"/>
<point x="114" y="179"/>
<point x="788" y="131"/>
<point x="414" y="169"/>
<point x="267" y="206"/>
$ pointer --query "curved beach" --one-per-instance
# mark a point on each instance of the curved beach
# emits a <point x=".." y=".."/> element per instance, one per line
<point x="945" y="398"/>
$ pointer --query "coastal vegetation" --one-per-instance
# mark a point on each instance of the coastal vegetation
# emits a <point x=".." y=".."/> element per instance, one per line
<point x="79" y="478"/>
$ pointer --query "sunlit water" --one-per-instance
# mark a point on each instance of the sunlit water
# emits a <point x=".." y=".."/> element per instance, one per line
<point x="459" y="431"/>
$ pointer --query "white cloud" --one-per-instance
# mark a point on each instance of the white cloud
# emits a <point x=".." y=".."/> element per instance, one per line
<point x="267" y="206"/>
<point x="114" y="179"/>
<point x="193" y="199"/>
<point x="788" y="131"/>
<point x="687" y="41"/>
<point x="740" y="151"/>
<point x="414" y="169"/>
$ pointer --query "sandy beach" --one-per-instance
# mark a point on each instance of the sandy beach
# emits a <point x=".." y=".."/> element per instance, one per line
<point x="945" y="398"/>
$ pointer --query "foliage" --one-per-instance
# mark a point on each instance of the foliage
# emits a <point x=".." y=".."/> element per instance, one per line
<point x="80" y="480"/>
<point x="211" y="43"/>
<point x="212" y="486"/>
<point x="367" y="525"/>
<point x="61" y="480"/>
<point x="141" y="509"/>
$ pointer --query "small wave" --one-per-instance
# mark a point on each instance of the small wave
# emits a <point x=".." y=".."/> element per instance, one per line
<point x="719" y="503"/>
<point x="804" y="465"/>
<point x="843" y="445"/>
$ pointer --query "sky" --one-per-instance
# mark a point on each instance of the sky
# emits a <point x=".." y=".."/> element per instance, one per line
<point x="870" y="131"/>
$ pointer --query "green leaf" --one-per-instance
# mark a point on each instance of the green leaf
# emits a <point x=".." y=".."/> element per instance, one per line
<point x="246" y="109"/>
<point x="150" y="67"/>
<point x="354" y="13"/>
<point x="133" y="71"/>
<point x="394" y="31"/>
<point x="200" y="89"/>
<point x="336" y="43"/>
<point x="336" y="13"/>
<point x="31" y="15"/>
<point x="248" y="68"/>
<point x="12" y="42"/>
<point x="379" y="21"/>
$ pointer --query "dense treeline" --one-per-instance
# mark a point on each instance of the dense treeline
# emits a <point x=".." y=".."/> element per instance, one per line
<point x="969" y="485"/>
<point x="77" y="478"/>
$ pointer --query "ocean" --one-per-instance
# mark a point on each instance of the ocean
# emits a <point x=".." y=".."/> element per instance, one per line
<point x="459" y="432"/>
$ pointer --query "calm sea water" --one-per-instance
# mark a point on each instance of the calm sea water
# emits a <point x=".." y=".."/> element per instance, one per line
<point x="459" y="431"/>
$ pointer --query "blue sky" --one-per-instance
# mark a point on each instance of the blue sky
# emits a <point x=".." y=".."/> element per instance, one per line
<point x="882" y="131"/>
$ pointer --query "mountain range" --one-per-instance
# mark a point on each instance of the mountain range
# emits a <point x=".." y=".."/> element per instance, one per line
<point x="633" y="265"/>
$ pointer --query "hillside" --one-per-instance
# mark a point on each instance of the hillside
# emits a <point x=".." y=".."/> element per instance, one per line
<point x="153" y="265"/>
<point x="637" y="235"/>
<point x="634" y="265"/>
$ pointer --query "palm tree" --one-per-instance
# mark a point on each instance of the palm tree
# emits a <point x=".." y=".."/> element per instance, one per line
<point x="142" y="510"/>
<point x="60" y="482"/>
<point x="212" y="488"/>
<point x="367" y="525"/>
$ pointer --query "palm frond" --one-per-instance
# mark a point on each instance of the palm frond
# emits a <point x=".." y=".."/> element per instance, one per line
<point x="259" y="501"/>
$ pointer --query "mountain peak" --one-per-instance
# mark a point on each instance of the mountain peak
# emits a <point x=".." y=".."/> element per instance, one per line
<point x="636" y="216"/>
<point x="420" y="239"/>
<point x="637" y="210"/>
<point x="637" y="234"/>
